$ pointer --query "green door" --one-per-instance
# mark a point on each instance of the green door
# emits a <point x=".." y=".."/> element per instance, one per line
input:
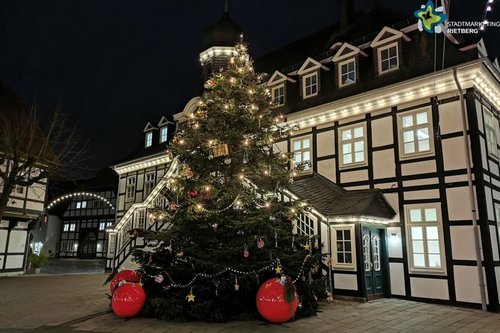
<point x="373" y="258"/>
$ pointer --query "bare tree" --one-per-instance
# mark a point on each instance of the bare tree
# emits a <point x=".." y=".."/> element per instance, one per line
<point x="32" y="150"/>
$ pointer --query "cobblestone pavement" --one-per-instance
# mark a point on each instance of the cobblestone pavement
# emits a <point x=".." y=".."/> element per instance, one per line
<point x="77" y="303"/>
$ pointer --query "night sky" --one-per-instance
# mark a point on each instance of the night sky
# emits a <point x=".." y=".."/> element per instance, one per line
<point x="114" y="65"/>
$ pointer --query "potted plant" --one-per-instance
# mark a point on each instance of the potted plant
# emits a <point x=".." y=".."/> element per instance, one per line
<point x="37" y="261"/>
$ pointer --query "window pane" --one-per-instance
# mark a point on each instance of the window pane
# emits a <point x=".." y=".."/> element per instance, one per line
<point x="433" y="247"/>
<point x="430" y="215"/>
<point x="423" y="133"/>
<point x="435" y="260"/>
<point x="340" y="258"/>
<point x="385" y="65"/>
<point x="432" y="232"/>
<point x="409" y="148"/>
<point x="347" y="246"/>
<point x="394" y="63"/>
<point x="392" y="52"/>
<point x="347" y="234"/>
<point x="359" y="157"/>
<point x="422" y="118"/>
<point x="344" y="69"/>
<point x="416" y="233"/>
<point x="418" y="246"/>
<point x="306" y="143"/>
<point x="298" y="157"/>
<point x="415" y="215"/>
<point x="351" y="66"/>
<point x="408" y="136"/>
<point x="340" y="235"/>
<point x="359" y="146"/>
<point x="384" y="54"/>
<point x="296" y="145"/>
<point x="348" y="258"/>
<point x="346" y="134"/>
<point x="407" y="121"/>
<point x="358" y="132"/>
<point x="418" y="260"/>
<point x="423" y="145"/>
<point x="307" y="156"/>
<point x="340" y="246"/>
<point x="347" y="158"/>
<point x="346" y="148"/>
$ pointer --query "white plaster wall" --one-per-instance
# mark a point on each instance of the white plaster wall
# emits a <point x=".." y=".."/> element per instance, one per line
<point x="345" y="281"/>
<point x="462" y="242"/>
<point x="383" y="164"/>
<point x="3" y="240"/>
<point x="450" y="117"/>
<point x="467" y="284"/>
<point x="394" y="242"/>
<point x="382" y="132"/>
<point x="326" y="143"/>
<point x="493" y="167"/>
<point x="424" y="194"/>
<point x="352" y="118"/>
<point x="458" y="200"/>
<point x="419" y="182"/>
<point x="429" y="288"/>
<point x="14" y="261"/>
<point x="397" y="275"/>
<point x="454" y="154"/>
<point x="393" y="199"/>
<point x="489" y="203"/>
<point x="497" y="278"/>
<point x="418" y="168"/>
<point x="484" y="154"/>
<point x="354" y="176"/>
<point x="494" y="242"/>
<point x="326" y="168"/>
<point x="17" y="241"/>
<point x="479" y="113"/>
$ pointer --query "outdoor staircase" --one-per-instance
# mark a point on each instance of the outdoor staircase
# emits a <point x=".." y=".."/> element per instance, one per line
<point x="120" y="244"/>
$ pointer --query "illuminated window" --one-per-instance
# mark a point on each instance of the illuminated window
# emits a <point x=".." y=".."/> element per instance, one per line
<point x="388" y="58"/>
<point x="149" y="183"/>
<point x="415" y="133"/>
<point x="347" y="72"/>
<point x="302" y="151"/>
<point x="163" y="134"/>
<point x="72" y="227"/>
<point x="310" y="85"/>
<point x="278" y="94"/>
<point x="353" y="145"/>
<point x="305" y="225"/>
<point x="343" y="246"/>
<point x="130" y="192"/>
<point x="149" y="139"/>
<point x="490" y="132"/>
<point x="424" y="236"/>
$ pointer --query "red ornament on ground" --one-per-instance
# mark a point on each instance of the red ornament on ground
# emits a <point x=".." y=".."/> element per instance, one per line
<point x="128" y="300"/>
<point x="127" y="275"/>
<point x="271" y="302"/>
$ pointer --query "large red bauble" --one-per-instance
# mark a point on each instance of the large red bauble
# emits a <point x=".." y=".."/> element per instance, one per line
<point x="127" y="275"/>
<point x="128" y="300"/>
<point x="271" y="302"/>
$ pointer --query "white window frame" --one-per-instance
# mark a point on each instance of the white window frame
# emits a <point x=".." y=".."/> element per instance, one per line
<point x="352" y="143"/>
<point x="302" y="150"/>
<point x="490" y="133"/>
<point x="424" y="224"/>
<point x="304" y="84"/>
<point x="148" y="140"/>
<point x="278" y="97"/>
<point x="379" y="57"/>
<point x="163" y="134"/>
<point x="340" y="73"/>
<point x="414" y="128"/>
<point x="305" y="225"/>
<point x="149" y="183"/>
<point x="335" y="263"/>
<point x="130" y="188"/>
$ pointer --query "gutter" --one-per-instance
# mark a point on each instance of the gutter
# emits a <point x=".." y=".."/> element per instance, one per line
<point x="472" y="196"/>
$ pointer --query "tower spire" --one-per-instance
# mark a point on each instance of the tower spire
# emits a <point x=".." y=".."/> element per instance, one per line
<point x="226" y="6"/>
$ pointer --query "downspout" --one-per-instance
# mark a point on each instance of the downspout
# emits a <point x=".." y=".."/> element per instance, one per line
<point x="330" y="272"/>
<point x="472" y="196"/>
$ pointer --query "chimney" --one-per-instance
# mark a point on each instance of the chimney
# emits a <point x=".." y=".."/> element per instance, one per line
<point x="346" y="10"/>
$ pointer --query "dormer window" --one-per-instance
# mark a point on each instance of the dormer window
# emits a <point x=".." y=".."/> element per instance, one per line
<point x="278" y="94"/>
<point x="347" y="72"/>
<point x="149" y="139"/>
<point x="310" y="85"/>
<point x="388" y="58"/>
<point x="163" y="134"/>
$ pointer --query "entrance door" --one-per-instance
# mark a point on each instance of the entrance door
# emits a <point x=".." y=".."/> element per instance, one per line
<point x="373" y="255"/>
<point x="87" y="244"/>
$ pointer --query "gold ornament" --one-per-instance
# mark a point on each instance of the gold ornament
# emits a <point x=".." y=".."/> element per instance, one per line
<point x="220" y="150"/>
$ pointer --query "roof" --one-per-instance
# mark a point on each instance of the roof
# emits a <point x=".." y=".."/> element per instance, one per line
<point x="331" y="200"/>
<point x="224" y="32"/>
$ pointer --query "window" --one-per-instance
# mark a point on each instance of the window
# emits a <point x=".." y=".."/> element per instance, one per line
<point x="278" y="94"/>
<point x="302" y="153"/>
<point x="344" y="254"/>
<point x="19" y="189"/>
<point x="163" y="134"/>
<point x="425" y="241"/>
<point x="130" y="192"/>
<point x="305" y="225"/>
<point x="347" y="72"/>
<point x="72" y="227"/>
<point x="388" y="58"/>
<point x="415" y="133"/>
<point x="352" y="145"/>
<point x="141" y="218"/>
<point x="102" y="226"/>
<point x="149" y="139"/>
<point x="66" y="227"/>
<point x="310" y="85"/>
<point x="95" y="204"/>
<point x="149" y="183"/>
<point x="490" y="132"/>
<point x="84" y="204"/>
<point x="78" y="205"/>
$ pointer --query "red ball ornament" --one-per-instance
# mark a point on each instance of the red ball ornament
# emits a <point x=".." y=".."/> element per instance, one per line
<point x="193" y="194"/>
<point x="127" y="275"/>
<point x="128" y="300"/>
<point x="271" y="302"/>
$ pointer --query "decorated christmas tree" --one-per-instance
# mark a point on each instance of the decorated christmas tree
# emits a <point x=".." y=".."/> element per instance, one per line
<point x="229" y="227"/>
